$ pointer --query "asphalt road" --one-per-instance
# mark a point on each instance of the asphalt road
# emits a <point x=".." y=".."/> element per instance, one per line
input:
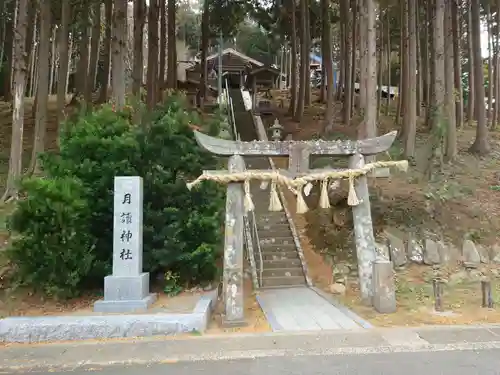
<point x="482" y="362"/>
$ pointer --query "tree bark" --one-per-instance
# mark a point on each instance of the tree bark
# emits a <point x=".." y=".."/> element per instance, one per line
<point x="451" y="128"/>
<point x="410" y="112"/>
<point x="108" y="14"/>
<point x="64" y="59"/>
<point x="138" y="68"/>
<point x="19" y="69"/>
<point x="119" y="53"/>
<point x="329" y="113"/>
<point x="152" y="71"/>
<point x="457" y="63"/>
<point x="481" y="145"/>
<point x="94" y="51"/>
<point x="293" y="57"/>
<point x="163" y="44"/>
<point x="42" y="92"/>
<point x="172" y="47"/>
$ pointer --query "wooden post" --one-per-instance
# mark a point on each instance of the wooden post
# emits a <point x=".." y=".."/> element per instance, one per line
<point x="486" y="293"/>
<point x="363" y="232"/>
<point x="233" y="249"/>
<point x="437" y="286"/>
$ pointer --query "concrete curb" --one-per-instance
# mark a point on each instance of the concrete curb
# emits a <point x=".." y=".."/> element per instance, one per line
<point x="351" y="314"/>
<point x="68" y="328"/>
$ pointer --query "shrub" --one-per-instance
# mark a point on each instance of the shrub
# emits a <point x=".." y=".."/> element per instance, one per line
<point x="182" y="228"/>
<point x="55" y="250"/>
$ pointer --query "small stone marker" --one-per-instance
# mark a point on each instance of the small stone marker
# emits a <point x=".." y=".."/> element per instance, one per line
<point x="127" y="289"/>
<point x="384" y="290"/>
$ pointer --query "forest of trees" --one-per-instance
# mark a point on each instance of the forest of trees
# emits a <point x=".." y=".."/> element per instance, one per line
<point x="430" y="49"/>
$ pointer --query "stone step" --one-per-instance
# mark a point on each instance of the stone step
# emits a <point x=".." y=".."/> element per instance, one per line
<point x="278" y="248"/>
<point x="277" y="233"/>
<point x="282" y="263"/>
<point x="279" y="255"/>
<point x="268" y="227"/>
<point x="271" y="219"/>
<point x="281" y="281"/>
<point x="275" y="240"/>
<point x="282" y="272"/>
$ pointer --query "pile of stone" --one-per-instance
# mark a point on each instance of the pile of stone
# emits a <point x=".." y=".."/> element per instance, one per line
<point x="405" y="247"/>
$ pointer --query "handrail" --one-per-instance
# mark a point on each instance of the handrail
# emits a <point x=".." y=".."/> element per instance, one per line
<point x="261" y="260"/>
<point x="230" y="110"/>
<point x="251" y="229"/>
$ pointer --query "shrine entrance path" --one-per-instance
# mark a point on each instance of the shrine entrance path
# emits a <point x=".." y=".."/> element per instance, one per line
<point x="302" y="309"/>
<point x="288" y="307"/>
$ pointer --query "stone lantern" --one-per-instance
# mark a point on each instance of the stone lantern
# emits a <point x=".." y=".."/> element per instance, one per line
<point x="276" y="130"/>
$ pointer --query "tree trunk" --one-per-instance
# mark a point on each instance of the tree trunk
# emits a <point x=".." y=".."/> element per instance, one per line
<point x="325" y="20"/>
<point x="30" y="39"/>
<point x="163" y="44"/>
<point x="293" y="58"/>
<point x="138" y="68"/>
<point x="471" y="97"/>
<point x="119" y="53"/>
<point x="64" y="59"/>
<point x="410" y="112"/>
<point x="349" y="21"/>
<point x="480" y="145"/>
<point x="205" y="30"/>
<point x="354" y="36"/>
<point x="307" y="97"/>
<point x="19" y="69"/>
<point x="304" y="62"/>
<point x="496" y="75"/>
<point x="329" y="113"/>
<point x="82" y="76"/>
<point x="489" y="62"/>
<point x="8" y="48"/>
<point x="451" y="126"/>
<point x="152" y="71"/>
<point x="457" y="63"/>
<point x="389" y="65"/>
<point x="172" y="47"/>
<point x="370" y="117"/>
<point x="42" y="92"/>
<point x="363" y="48"/>
<point x="94" y="51"/>
<point x="108" y="14"/>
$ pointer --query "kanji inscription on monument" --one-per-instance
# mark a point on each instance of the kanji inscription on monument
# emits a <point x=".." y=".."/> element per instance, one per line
<point x="127" y="289"/>
<point x="127" y="227"/>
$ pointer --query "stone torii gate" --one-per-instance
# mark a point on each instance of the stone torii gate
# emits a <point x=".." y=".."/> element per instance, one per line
<point x="298" y="173"/>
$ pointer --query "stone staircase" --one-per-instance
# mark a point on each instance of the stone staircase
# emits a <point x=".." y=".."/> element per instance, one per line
<point x="281" y="265"/>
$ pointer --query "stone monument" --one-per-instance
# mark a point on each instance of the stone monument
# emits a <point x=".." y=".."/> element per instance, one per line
<point x="127" y="289"/>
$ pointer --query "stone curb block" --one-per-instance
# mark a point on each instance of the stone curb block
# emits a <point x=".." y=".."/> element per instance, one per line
<point x="68" y="328"/>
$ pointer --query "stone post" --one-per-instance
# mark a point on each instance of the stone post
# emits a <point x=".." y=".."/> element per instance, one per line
<point x="384" y="293"/>
<point x="363" y="232"/>
<point x="233" y="249"/>
<point x="127" y="289"/>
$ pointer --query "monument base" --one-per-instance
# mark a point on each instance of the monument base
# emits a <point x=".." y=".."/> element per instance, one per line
<point x="125" y="294"/>
<point x="131" y="306"/>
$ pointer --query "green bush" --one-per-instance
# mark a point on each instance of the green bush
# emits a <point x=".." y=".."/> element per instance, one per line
<point x="56" y="251"/>
<point x="182" y="228"/>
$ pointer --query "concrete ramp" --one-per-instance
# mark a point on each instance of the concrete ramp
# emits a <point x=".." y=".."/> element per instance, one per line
<point x="302" y="309"/>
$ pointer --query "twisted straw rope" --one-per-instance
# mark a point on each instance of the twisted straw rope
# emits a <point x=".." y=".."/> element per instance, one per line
<point x="298" y="182"/>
